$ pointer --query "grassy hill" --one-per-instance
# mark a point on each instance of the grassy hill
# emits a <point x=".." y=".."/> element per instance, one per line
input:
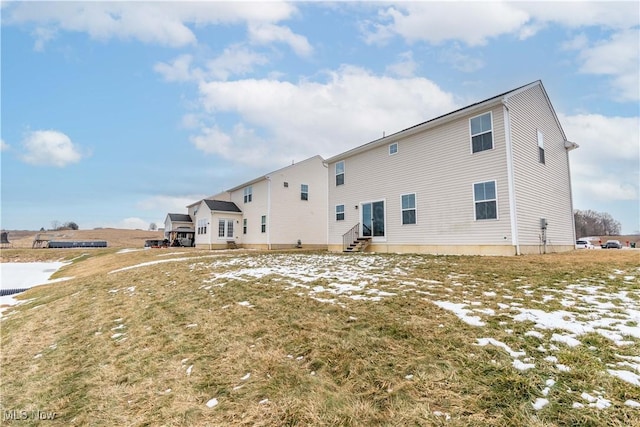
<point x="213" y="338"/>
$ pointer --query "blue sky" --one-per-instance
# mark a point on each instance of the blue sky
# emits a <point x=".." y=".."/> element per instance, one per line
<point x="115" y="113"/>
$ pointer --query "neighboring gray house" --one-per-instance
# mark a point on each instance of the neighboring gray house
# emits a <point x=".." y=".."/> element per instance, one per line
<point x="490" y="178"/>
<point x="178" y="226"/>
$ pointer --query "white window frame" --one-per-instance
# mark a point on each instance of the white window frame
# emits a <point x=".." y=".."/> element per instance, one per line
<point x="341" y="162"/>
<point x="541" y="158"/>
<point x="493" y="144"/>
<point x="263" y="224"/>
<point x="244" y="226"/>
<point x="338" y="212"/>
<point x="304" y="192"/>
<point x="227" y="230"/>
<point x="414" y="209"/>
<point x="202" y="226"/>
<point x="393" y="149"/>
<point x="248" y="194"/>
<point x="475" y="202"/>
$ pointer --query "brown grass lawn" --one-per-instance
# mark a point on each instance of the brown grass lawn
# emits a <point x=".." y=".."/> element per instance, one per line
<point x="218" y="338"/>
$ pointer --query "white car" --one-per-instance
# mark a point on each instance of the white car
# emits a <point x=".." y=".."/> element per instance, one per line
<point x="583" y="244"/>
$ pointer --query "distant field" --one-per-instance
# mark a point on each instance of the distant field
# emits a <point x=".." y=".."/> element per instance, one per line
<point x="217" y="338"/>
<point x="116" y="238"/>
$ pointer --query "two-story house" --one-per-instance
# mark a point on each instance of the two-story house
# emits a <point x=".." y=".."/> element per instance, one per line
<point x="490" y="178"/>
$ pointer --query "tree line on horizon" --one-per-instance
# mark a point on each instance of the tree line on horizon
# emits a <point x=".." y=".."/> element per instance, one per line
<point x="592" y="223"/>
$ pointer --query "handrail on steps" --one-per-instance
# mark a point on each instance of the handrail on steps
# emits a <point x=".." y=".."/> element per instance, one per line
<point x="350" y="236"/>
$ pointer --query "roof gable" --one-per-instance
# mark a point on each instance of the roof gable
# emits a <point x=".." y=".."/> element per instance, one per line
<point x="179" y="217"/>
<point x="438" y="121"/>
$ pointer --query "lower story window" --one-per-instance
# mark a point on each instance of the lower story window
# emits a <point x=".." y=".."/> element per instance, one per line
<point x="484" y="198"/>
<point x="202" y="226"/>
<point x="408" y="209"/>
<point x="225" y="228"/>
<point x="244" y="226"/>
<point x="263" y="224"/>
<point x="340" y="213"/>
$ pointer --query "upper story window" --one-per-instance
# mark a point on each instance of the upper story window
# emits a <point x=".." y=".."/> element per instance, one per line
<point x="409" y="208"/>
<point x="481" y="133"/>
<point x="248" y="194"/>
<point x="339" y="212"/>
<point x="485" y="201"/>
<point x="340" y="173"/>
<point x="304" y="192"/>
<point x="540" y="147"/>
<point x="393" y="148"/>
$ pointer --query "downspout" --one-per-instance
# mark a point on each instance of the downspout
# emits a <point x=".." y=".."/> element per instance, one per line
<point x="570" y="146"/>
<point x="326" y="197"/>
<point x="268" y="212"/>
<point x="515" y="241"/>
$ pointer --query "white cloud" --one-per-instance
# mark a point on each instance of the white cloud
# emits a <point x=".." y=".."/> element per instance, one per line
<point x="461" y="61"/>
<point x="235" y="60"/>
<point x="3" y="145"/>
<point x="178" y="70"/>
<point x="405" y="67"/>
<point x="50" y="148"/>
<point x="281" y="120"/>
<point x="267" y="33"/>
<point x="435" y="22"/>
<point x="606" y="166"/>
<point x="173" y="204"/>
<point x="164" y="23"/>
<point x="618" y="57"/>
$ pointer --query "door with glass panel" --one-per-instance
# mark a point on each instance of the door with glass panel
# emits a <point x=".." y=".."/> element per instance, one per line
<point x="373" y="219"/>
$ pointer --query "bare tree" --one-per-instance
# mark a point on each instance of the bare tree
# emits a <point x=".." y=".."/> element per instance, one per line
<point x="591" y="223"/>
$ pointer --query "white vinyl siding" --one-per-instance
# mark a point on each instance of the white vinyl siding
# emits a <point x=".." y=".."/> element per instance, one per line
<point x="436" y="165"/>
<point x="542" y="190"/>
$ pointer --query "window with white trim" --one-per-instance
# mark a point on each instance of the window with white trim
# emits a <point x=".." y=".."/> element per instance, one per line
<point x="202" y="226"/>
<point x="339" y="212"/>
<point x="263" y="224"/>
<point x="485" y="200"/>
<point x="225" y="228"/>
<point x="481" y="133"/>
<point x="409" y="208"/>
<point x="248" y="194"/>
<point x="540" y="147"/>
<point x="244" y="226"/>
<point x="304" y="192"/>
<point x="393" y="148"/>
<point x="340" y="173"/>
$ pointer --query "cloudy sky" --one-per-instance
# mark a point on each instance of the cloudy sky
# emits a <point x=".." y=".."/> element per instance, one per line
<point x="115" y="113"/>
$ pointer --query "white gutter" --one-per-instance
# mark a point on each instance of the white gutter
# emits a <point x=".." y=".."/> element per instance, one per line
<point x="510" y="178"/>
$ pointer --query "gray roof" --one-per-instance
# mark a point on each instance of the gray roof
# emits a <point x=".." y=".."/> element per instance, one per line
<point x="222" y="206"/>
<point x="179" y="217"/>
